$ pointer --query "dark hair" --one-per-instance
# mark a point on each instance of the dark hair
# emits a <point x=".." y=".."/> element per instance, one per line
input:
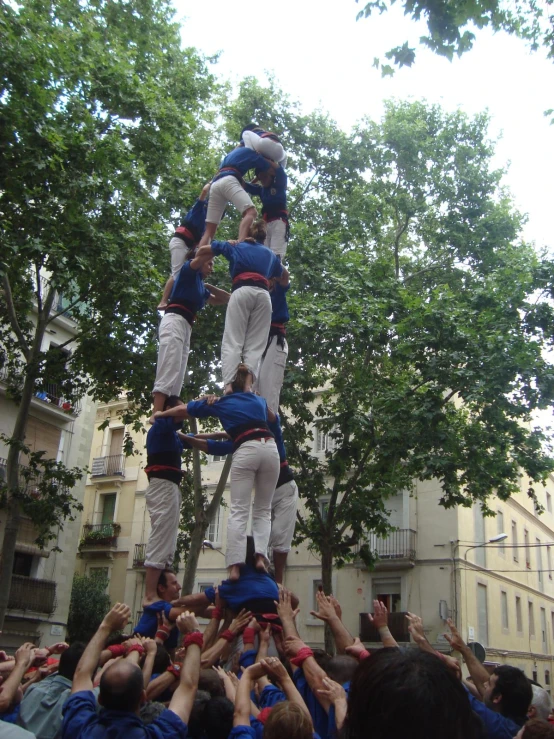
<point x="161" y="660"/>
<point x="537" y="728"/>
<point x="194" y="724"/>
<point x="150" y="711"/>
<point x="322" y="658"/>
<point x="393" y="686"/>
<point x="258" y="231"/>
<point x="172" y="401"/>
<point x="70" y="659"/>
<point x="515" y="689"/>
<point x="121" y="693"/>
<point x="209" y="680"/>
<point x="288" y="719"/>
<point x="217" y="719"/>
<point x="250" y="127"/>
<point x="241" y="377"/>
<point x="163" y="579"/>
<point x="341" y="668"/>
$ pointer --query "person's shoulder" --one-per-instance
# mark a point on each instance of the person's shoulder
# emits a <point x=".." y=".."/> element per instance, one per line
<point x="242" y="732"/>
<point x="170" y="724"/>
<point x="156" y="607"/>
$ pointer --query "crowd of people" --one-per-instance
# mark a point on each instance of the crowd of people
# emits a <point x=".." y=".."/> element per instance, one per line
<point x="249" y="676"/>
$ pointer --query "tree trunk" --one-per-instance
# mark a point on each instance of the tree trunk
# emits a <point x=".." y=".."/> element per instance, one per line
<point x="326" y="579"/>
<point x="202" y="516"/>
<point x="13" y="513"/>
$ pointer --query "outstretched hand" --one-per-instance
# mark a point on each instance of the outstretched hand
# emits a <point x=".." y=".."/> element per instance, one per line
<point x="117" y="618"/>
<point x="380" y="615"/>
<point x="275" y="669"/>
<point x="325" y="608"/>
<point x="454" y="638"/>
<point x="415" y="627"/>
<point x="186" y="622"/>
<point x="240" y="622"/>
<point x="356" y="649"/>
<point x="285" y="610"/>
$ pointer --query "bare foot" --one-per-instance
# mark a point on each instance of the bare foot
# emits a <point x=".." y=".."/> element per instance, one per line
<point x="260" y="563"/>
<point x="233" y="573"/>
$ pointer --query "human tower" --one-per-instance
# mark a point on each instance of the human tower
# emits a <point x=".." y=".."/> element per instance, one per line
<point x="253" y="357"/>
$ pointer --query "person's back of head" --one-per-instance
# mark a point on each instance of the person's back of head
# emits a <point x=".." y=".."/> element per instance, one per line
<point x="172" y="401"/>
<point x="536" y="728"/>
<point x="398" y="693"/>
<point x="511" y="692"/>
<point x="217" y="719"/>
<point x="541" y="704"/>
<point x="341" y="668"/>
<point x="195" y="727"/>
<point x="241" y="379"/>
<point x="288" y="720"/>
<point x="162" y="660"/>
<point x="210" y="681"/>
<point x="150" y="711"/>
<point x="122" y="687"/>
<point x="70" y="659"/>
<point x="258" y="231"/>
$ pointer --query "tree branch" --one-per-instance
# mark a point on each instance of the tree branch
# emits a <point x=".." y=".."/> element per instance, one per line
<point x="12" y="315"/>
<point x="293" y="206"/>
<point x="78" y="300"/>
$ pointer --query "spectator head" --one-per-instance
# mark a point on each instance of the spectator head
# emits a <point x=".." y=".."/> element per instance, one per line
<point x="150" y="711"/>
<point x="122" y="687"/>
<point x="341" y="668"/>
<point x="258" y="231"/>
<point x="536" y="728"/>
<point x="217" y="719"/>
<point x="195" y="730"/>
<point x="210" y="681"/>
<point x="172" y="401"/>
<point x="541" y="705"/>
<point x="288" y="719"/>
<point x="392" y="687"/>
<point x="161" y="660"/>
<point x="70" y="659"/>
<point x="508" y="692"/>
<point x="168" y="586"/>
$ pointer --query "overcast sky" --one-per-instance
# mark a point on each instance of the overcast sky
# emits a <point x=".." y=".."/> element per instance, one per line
<point x="323" y="57"/>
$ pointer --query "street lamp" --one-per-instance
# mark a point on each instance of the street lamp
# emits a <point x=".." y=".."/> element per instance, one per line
<point x="494" y="540"/>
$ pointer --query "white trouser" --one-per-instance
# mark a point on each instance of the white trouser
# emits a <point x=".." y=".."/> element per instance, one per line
<point x="178" y="251"/>
<point x="276" y="238"/>
<point x="226" y="190"/>
<point x="173" y="354"/>
<point x="247" y="323"/>
<point x="163" y="500"/>
<point x="271" y="373"/>
<point x="266" y="147"/>
<point x="283" y="516"/>
<point x="255" y="465"/>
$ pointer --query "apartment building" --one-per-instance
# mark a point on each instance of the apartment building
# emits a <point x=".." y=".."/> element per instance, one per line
<point x="437" y="563"/>
<point x="42" y="578"/>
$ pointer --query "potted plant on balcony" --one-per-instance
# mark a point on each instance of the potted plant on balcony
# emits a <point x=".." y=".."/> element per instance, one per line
<point x="106" y="535"/>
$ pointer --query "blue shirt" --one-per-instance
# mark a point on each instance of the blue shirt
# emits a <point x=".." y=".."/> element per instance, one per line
<point x="279" y="307"/>
<point x="222" y="448"/>
<point x="81" y="721"/>
<point x="189" y="286"/>
<point x="195" y="219"/>
<point x="245" y="257"/>
<point x="148" y="624"/>
<point x="250" y="585"/>
<point x="232" y="410"/>
<point x="243" y="159"/>
<point x="274" y="197"/>
<point x="162" y="436"/>
<point x="497" y="726"/>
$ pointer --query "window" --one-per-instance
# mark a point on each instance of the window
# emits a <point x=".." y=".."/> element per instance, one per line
<point x="217" y="458"/>
<point x="531" y="619"/>
<point x="547" y="677"/>
<point x="324" y="442"/>
<point x="535" y="675"/>
<point x="519" y="618"/>
<point x="552" y="620"/>
<point x="549" y="562"/>
<point x="116" y="441"/>
<point x="324" y="507"/>
<point x="549" y="502"/>
<point x="504" y="606"/>
<point x="543" y="631"/>
<point x="500" y="530"/>
<point x="107" y="511"/>
<point x="203" y="586"/>
<point x="317" y="585"/>
<point x="527" y="549"/>
<point x="539" y="562"/>
<point x="389" y="592"/>
<point x="482" y="616"/>
<point x="514" y="541"/>
<point x="22" y="564"/>
<point x="103" y="572"/>
<point x="213" y="533"/>
<point x="479" y="524"/>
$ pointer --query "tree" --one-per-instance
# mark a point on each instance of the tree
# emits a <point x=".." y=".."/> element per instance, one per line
<point x="418" y="327"/>
<point x="449" y="24"/>
<point x="88" y="606"/>
<point x="104" y="133"/>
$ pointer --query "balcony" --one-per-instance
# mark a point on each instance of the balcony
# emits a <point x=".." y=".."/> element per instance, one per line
<point x="30" y="594"/>
<point x="48" y="393"/>
<point x="396" y="551"/>
<point x="140" y="556"/>
<point x="398" y="627"/>
<point x="28" y="480"/>
<point x="99" y="537"/>
<point x="113" y="466"/>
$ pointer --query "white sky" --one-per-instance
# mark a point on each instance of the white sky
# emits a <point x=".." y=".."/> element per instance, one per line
<point x="322" y="57"/>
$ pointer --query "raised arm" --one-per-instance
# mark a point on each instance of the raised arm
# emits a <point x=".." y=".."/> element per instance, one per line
<point x="237" y="625"/>
<point x="217" y="296"/>
<point x="115" y="620"/>
<point x="23" y="660"/>
<point x="242" y="699"/>
<point x="277" y="672"/>
<point x="478" y="673"/>
<point x="179" y="411"/>
<point x="183" y="698"/>
<point x="151" y="649"/>
<point x="380" y="619"/>
<point x="326" y="612"/>
<point x="284" y="280"/>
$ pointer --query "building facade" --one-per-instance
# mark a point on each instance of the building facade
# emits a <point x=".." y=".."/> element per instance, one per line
<point x="499" y="594"/>
<point x="42" y="578"/>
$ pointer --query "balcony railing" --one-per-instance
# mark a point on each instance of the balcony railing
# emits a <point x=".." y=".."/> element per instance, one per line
<point x="48" y="393"/>
<point x="30" y="594"/>
<point x="397" y="545"/>
<point x="398" y="626"/>
<point x="108" y="466"/>
<point x="140" y="555"/>
<point x="100" y="535"/>
<point x="28" y="481"/>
